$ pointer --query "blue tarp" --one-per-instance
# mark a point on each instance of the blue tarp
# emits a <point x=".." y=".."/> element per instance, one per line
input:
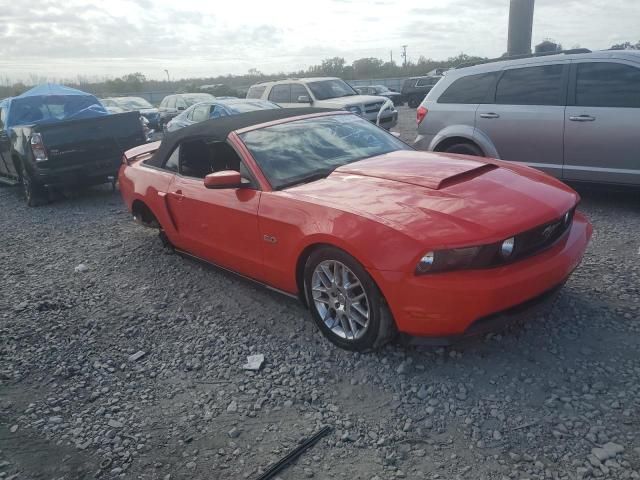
<point x="52" y="103"/>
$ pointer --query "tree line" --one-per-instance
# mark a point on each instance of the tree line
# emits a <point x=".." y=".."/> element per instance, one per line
<point x="236" y="85"/>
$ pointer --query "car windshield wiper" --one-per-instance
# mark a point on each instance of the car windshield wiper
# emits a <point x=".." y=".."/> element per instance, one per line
<point x="308" y="179"/>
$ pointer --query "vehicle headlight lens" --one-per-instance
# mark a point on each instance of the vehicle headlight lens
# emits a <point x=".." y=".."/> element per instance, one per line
<point x="445" y="260"/>
<point x="354" y="109"/>
<point x="506" y="248"/>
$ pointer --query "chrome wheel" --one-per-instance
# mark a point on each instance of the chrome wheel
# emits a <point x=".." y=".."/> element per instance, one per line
<point x="340" y="299"/>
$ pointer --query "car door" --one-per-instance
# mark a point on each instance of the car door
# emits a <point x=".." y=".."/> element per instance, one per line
<point x="602" y="123"/>
<point x="220" y="226"/>
<point x="525" y="120"/>
<point x="6" y="164"/>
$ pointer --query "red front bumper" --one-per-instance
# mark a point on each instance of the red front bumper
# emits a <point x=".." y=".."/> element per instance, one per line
<point x="447" y="304"/>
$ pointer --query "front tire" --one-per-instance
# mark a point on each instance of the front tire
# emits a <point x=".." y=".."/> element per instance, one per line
<point x="465" y="149"/>
<point x="345" y="302"/>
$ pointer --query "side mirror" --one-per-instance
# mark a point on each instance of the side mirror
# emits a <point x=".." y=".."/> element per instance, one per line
<point x="223" y="179"/>
<point x="304" y="99"/>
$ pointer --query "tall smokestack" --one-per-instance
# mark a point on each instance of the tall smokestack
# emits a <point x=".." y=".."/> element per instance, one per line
<point x="520" y="27"/>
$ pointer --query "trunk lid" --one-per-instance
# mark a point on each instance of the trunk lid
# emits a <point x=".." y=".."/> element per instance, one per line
<point x="97" y="141"/>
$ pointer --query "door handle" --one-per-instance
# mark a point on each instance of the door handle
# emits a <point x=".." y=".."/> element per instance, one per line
<point x="582" y="118"/>
<point x="177" y="195"/>
<point x="489" y="115"/>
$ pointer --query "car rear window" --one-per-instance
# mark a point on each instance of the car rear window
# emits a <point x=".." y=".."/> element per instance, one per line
<point x="606" y="84"/>
<point x="256" y="91"/>
<point x="531" y="86"/>
<point x="470" y="89"/>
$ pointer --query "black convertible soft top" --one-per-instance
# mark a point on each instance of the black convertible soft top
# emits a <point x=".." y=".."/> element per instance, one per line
<point x="219" y="128"/>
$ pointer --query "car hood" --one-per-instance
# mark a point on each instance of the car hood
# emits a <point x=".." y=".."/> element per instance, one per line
<point x="441" y="200"/>
<point x="341" y="102"/>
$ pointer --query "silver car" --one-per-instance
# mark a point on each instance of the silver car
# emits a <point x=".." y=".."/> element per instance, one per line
<point x="221" y="107"/>
<point x="573" y="115"/>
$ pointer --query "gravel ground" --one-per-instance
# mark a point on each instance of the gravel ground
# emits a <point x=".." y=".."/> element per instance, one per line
<point x="130" y="366"/>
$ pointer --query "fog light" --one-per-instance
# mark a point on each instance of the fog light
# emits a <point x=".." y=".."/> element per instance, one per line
<point x="506" y="249"/>
<point x="426" y="262"/>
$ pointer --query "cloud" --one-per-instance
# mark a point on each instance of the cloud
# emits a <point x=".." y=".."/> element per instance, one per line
<point x="92" y="37"/>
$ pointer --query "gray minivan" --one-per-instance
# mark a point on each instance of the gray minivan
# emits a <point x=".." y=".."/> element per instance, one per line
<point x="573" y="115"/>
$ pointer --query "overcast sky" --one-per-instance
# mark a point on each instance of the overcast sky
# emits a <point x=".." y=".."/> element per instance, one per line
<point x="63" y="39"/>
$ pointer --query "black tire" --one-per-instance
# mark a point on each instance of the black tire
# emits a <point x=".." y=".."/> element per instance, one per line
<point x="464" y="148"/>
<point x="166" y="243"/>
<point x="380" y="328"/>
<point x="34" y="193"/>
<point x="414" y="102"/>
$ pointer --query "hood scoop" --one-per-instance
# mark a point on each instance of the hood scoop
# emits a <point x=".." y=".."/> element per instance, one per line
<point x="433" y="171"/>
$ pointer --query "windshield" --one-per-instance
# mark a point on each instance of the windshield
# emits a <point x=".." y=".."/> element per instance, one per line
<point x="326" y="89"/>
<point x="132" y="103"/>
<point x="381" y="89"/>
<point x="194" y="98"/>
<point x="307" y="150"/>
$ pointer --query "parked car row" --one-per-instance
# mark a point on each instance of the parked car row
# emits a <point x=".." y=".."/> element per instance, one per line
<point x="573" y="115"/>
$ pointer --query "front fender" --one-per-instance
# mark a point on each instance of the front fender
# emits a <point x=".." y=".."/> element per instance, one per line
<point x="467" y="132"/>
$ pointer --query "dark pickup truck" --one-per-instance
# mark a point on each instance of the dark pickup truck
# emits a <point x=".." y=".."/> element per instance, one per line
<point x="55" y="136"/>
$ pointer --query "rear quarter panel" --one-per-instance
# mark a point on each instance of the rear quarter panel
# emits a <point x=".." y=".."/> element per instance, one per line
<point x="141" y="183"/>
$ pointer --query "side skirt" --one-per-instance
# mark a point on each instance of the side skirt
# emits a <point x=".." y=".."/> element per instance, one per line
<point x="252" y="280"/>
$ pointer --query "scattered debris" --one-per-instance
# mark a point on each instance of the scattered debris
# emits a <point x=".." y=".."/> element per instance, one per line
<point x="254" y="362"/>
<point x="293" y="454"/>
<point x="137" y="356"/>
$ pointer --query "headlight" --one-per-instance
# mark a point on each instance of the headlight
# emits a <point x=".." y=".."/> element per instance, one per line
<point x="443" y="260"/>
<point x="354" y="109"/>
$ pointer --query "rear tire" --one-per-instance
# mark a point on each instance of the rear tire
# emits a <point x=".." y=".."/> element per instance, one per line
<point x="414" y="102"/>
<point x="34" y="193"/>
<point x="464" y="149"/>
<point x="345" y="302"/>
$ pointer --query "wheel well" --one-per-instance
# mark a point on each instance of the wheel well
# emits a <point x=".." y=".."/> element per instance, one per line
<point x="447" y="142"/>
<point x="143" y="214"/>
<point x="302" y="260"/>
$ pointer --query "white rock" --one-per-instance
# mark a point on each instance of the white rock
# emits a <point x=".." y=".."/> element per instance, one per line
<point x="81" y="268"/>
<point x="254" y="362"/>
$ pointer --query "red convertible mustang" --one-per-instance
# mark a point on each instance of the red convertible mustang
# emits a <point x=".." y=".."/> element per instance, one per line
<point x="372" y="235"/>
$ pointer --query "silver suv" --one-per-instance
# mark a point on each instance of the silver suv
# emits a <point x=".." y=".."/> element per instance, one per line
<point x="326" y="92"/>
<point x="573" y="115"/>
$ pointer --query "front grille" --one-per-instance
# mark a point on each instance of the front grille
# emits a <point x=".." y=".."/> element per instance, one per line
<point x="527" y="243"/>
<point x="540" y="238"/>
<point x="373" y="107"/>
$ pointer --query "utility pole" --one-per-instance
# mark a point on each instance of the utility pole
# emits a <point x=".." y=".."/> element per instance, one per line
<point x="167" y="72"/>
<point x="404" y="55"/>
<point x="391" y="55"/>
